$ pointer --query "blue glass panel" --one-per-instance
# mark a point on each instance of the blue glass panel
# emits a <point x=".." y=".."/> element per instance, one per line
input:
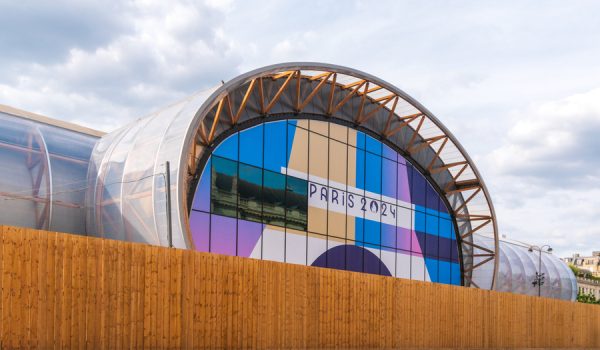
<point x="432" y="225"/>
<point x="389" y="153"/>
<point x="373" y="146"/>
<point x="432" y="268"/>
<point x="455" y="273"/>
<point x="251" y="146"/>
<point x="359" y="229"/>
<point x="228" y="148"/>
<point x="373" y="174"/>
<point x="419" y="224"/>
<point x="275" y="155"/>
<point x="360" y="169"/>
<point x="360" y="140"/>
<point x="444" y="272"/>
<point x="445" y="228"/>
<point x="444" y="212"/>
<point x="372" y="232"/>
<point x="454" y="250"/>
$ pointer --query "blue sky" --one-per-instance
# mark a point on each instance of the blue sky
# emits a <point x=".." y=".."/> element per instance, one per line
<point x="518" y="82"/>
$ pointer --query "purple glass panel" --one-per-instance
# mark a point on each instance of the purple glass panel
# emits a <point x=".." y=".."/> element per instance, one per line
<point x="389" y="153"/>
<point x="200" y="228"/>
<point x="445" y="245"/>
<point x="431" y="246"/>
<point x="248" y="236"/>
<point x="222" y="240"/>
<point x="388" y="181"/>
<point x="202" y="195"/>
<point x="433" y="198"/>
<point x="403" y="184"/>
<point x="388" y="235"/>
<point x="404" y="238"/>
<point x="418" y="244"/>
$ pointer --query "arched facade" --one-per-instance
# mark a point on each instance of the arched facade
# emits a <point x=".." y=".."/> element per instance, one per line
<point x="184" y="131"/>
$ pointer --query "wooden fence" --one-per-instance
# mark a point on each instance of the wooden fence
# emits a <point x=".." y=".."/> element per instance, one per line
<point x="65" y="291"/>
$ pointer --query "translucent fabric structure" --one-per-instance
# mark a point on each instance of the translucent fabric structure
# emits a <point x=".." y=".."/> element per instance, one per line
<point x="518" y="267"/>
<point x="127" y="198"/>
<point x="44" y="178"/>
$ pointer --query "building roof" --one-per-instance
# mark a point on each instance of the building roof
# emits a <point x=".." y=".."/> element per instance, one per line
<point x="50" y="121"/>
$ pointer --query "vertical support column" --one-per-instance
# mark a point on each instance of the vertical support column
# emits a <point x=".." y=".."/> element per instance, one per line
<point x="168" y="192"/>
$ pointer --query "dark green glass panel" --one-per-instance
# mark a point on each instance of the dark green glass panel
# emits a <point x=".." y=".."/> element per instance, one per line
<point x="274" y="198"/>
<point x="224" y="187"/>
<point x="250" y="193"/>
<point x="296" y="203"/>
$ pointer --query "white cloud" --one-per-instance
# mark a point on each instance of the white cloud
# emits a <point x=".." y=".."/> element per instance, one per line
<point x="555" y="143"/>
<point x="171" y="50"/>
<point x="545" y="177"/>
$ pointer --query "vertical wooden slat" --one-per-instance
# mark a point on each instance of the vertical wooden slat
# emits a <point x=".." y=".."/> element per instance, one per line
<point x="78" y="296"/>
<point x="174" y="287"/>
<point x="93" y="293"/>
<point x="15" y="241"/>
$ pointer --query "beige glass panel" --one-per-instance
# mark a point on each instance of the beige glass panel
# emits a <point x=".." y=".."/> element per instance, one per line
<point x="338" y="132"/>
<point x="337" y="162"/>
<point x="317" y="220"/>
<point x="317" y="158"/>
<point x="319" y="127"/>
<point x="298" y="164"/>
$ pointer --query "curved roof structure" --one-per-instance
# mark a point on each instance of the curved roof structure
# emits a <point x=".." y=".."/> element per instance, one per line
<point x="45" y="165"/>
<point x="517" y="267"/>
<point x="127" y="188"/>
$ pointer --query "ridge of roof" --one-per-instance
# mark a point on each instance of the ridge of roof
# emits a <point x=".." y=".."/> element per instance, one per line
<point x="50" y="121"/>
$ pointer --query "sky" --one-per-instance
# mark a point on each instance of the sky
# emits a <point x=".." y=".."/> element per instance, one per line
<point x="517" y="82"/>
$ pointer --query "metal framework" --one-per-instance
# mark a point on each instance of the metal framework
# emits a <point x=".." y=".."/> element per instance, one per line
<point x="369" y="104"/>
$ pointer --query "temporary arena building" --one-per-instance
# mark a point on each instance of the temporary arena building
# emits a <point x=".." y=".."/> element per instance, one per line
<point x="303" y="163"/>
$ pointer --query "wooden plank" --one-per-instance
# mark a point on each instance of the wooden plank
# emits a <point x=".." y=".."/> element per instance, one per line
<point x="174" y="297"/>
<point x="187" y="299"/>
<point x="93" y="293"/>
<point x="137" y="296"/>
<point x="39" y="296"/>
<point x="16" y="239"/>
<point x="78" y="297"/>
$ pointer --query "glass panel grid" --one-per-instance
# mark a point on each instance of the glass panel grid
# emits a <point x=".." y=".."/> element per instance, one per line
<point x="347" y="205"/>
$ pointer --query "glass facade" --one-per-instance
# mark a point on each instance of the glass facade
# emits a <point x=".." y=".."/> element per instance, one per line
<point x="317" y="193"/>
